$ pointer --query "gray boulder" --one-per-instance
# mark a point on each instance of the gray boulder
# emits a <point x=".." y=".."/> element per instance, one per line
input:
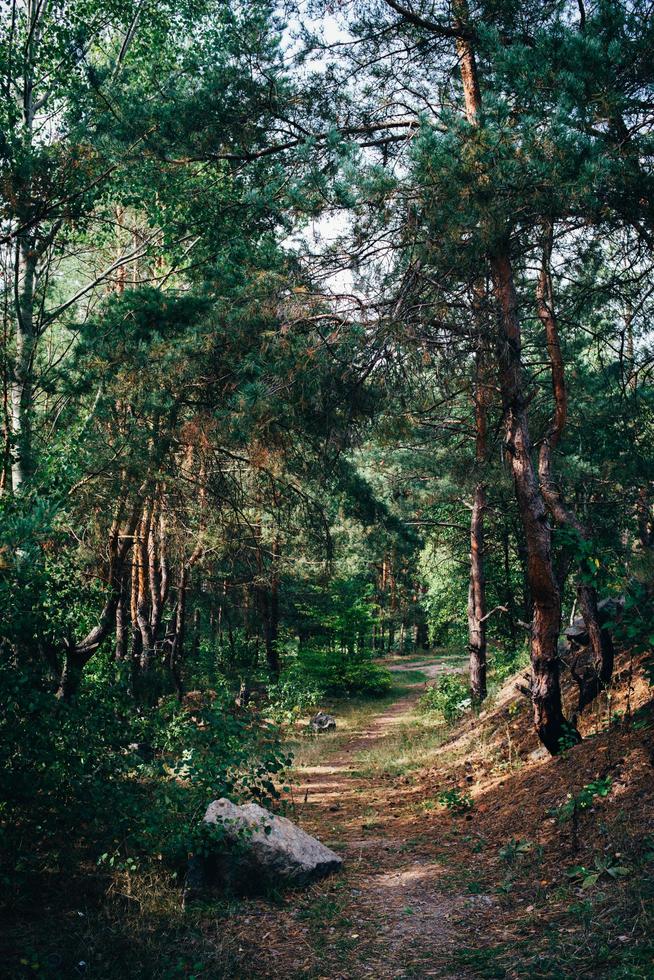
<point x="576" y="635"/>
<point x="262" y="849"/>
<point x="322" y="722"/>
<point x="577" y="632"/>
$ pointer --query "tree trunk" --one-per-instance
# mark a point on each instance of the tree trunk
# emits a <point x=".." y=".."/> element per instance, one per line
<point x="272" y="628"/>
<point x="508" y="587"/>
<point x="120" y="652"/>
<point x="176" y="655"/>
<point x="545" y="684"/>
<point x="177" y="645"/>
<point x="477" y="587"/>
<point x="477" y="598"/>
<point x="600" y="639"/>
<point x="77" y="655"/>
<point x="21" y="381"/>
<point x="143" y="593"/>
<point x="422" y="636"/>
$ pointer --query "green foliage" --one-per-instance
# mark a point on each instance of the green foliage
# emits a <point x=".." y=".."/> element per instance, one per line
<point x="339" y="673"/>
<point x="583" y="799"/>
<point x="455" y="801"/>
<point x="294" y="694"/>
<point x="447" y="585"/>
<point x="504" y="661"/>
<point x="514" y="849"/>
<point x="341" y="612"/>
<point x="132" y="785"/>
<point x="601" y="866"/>
<point x="569" y="738"/>
<point x="449" y="696"/>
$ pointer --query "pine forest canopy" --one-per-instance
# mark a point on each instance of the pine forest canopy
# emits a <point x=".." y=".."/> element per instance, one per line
<point x="326" y="334"/>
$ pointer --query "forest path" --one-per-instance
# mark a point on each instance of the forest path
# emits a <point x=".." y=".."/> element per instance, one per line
<point x="391" y="912"/>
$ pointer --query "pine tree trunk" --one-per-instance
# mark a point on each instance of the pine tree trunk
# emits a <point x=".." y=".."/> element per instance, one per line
<point x="545" y="684"/>
<point x="120" y="650"/>
<point x="508" y="588"/>
<point x="77" y="655"/>
<point x="600" y="639"/>
<point x="477" y="598"/>
<point x="21" y="382"/>
<point x="177" y="645"/>
<point x="477" y="587"/>
<point x="143" y="596"/>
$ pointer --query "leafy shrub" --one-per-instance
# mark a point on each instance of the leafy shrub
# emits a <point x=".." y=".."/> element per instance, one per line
<point x="447" y="589"/>
<point x="449" y="696"/>
<point x="515" y="849"/>
<point x="367" y="679"/>
<point x="455" y="800"/>
<point x="504" y="661"/>
<point x="601" y="866"/>
<point x="293" y="695"/>
<point x="343" y="674"/>
<point x="583" y="799"/>
<point x="76" y="766"/>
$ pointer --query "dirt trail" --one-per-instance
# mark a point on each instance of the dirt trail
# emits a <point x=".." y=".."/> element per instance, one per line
<point x="389" y="914"/>
<point x="426" y="892"/>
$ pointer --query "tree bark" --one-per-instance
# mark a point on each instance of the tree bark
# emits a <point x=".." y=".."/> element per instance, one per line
<point x="120" y="651"/>
<point x="545" y="683"/>
<point x="21" y="382"/>
<point x="177" y="645"/>
<point x="477" y="597"/>
<point x="143" y="593"/>
<point x="176" y="655"/>
<point x="600" y="639"/>
<point x="549" y="719"/>
<point x="508" y="587"/>
<point x="77" y="655"/>
<point x="422" y="636"/>
<point x="271" y="622"/>
<point x="477" y="587"/>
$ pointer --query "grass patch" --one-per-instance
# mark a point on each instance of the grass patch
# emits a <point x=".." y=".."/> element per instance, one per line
<point x="407" y="747"/>
<point x="412" y="675"/>
<point x="352" y="717"/>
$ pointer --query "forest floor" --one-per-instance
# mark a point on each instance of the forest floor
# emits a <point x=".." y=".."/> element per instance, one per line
<point x="485" y="892"/>
<point x="514" y="882"/>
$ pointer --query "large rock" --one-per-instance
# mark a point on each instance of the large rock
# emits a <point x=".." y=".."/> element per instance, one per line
<point x="575" y="636"/>
<point x="322" y="722"/>
<point x="576" y="631"/>
<point x="262" y="850"/>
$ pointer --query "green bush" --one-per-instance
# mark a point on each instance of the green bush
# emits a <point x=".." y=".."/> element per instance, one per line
<point x="455" y="801"/>
<point x="293" y="695"/>
<point x="367" y="679"/>
<point x="504" y="661"/>
<point x="343" y="674"/>
<point x="449" y="695"/>
<point x="98" y="780"/>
